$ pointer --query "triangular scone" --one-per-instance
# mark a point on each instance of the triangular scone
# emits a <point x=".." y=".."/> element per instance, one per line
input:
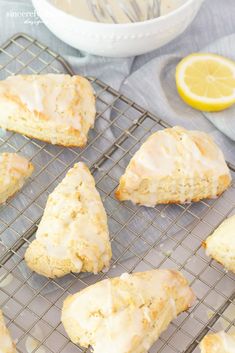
<point x="175" y="166"/>
<point x="6" y="344"/>
<point x="58" y="109"/>
<point x="126" y="314"/>
<point x="14" y="170"/>
<point x="221" y="244"/>
<point x="73" y="234"/>
<point x="218" y="343"/>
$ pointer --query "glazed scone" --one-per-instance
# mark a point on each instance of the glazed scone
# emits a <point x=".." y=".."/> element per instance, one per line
<point x="73" y="233"/>
<point x="6" y="344"/>
<point x="127" y="313"/>
<point x="221" y="244"/>
<point x="218" y="343"/>
<point x="14" y="170"/>
<point x="175" y="166"/>
<point x="54" y="108"/>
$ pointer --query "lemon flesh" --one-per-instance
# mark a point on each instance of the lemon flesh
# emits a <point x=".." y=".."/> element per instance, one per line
<point x="206" y="82"/>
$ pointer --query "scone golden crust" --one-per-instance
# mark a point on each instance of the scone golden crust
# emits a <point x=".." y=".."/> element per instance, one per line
<point x="221" y="244"/>
<point x="54" y="108"/>
<point x="175" y="166"/>
<point x="126" y="313"/>
<point x="6" y="344"/>
<point x="73" y="233"/>
<point x="218" y="343"/>
<point x="14" y="170"/>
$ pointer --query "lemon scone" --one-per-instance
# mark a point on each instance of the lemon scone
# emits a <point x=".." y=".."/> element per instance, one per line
<point x="6" y="344"/>
<point x="58" y="109"/>
<point x="221" y="244"/>
<point x="218" y="343"/>
<point x="73" y="233"/>
<point x="126" y="313"/>
<point x="175" y="165"/>
<point x="14" y="170"/>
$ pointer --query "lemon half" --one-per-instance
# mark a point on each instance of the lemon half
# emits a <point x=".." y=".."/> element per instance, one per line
<point x="206" y="81"/>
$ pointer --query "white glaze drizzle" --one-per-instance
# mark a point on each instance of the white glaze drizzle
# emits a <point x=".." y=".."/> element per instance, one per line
<point x="129" y="317"/>
<point x="63" y="230"/>
<point x="49" y="94"/>
<point x="181" y="154"/>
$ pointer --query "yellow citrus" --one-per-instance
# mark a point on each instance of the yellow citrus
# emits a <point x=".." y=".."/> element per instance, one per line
<point x="206" y="81"/>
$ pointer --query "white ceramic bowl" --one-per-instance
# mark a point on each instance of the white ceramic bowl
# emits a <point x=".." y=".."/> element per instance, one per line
<point x="117" y="40"/>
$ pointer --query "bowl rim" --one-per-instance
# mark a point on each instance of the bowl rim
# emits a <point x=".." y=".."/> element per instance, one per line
<point x="120" y="25"/>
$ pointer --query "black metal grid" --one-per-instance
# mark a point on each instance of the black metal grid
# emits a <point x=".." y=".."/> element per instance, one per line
<point x="164" y="236"/>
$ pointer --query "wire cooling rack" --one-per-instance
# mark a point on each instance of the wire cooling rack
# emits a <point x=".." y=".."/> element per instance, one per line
<point x="161" y="237"/>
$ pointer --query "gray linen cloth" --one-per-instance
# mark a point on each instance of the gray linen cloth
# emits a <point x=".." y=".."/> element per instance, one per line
<point x="148" y="79"/>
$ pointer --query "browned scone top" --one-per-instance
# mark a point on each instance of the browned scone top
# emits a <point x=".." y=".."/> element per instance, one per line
<point x="6" y="343"/>
<point x="55" y="108"/>
<point x="220" y="245"/>
<point x="73" y="234"/>
<point x="14" y="170"/>
<point x="175" y="165"/>
<point x="126" y="314"/>
<point x="220" y="342"/>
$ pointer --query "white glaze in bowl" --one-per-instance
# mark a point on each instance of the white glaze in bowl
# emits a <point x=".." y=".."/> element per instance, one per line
<point x="80" y="8"/>
<point x="117" y="40"/>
